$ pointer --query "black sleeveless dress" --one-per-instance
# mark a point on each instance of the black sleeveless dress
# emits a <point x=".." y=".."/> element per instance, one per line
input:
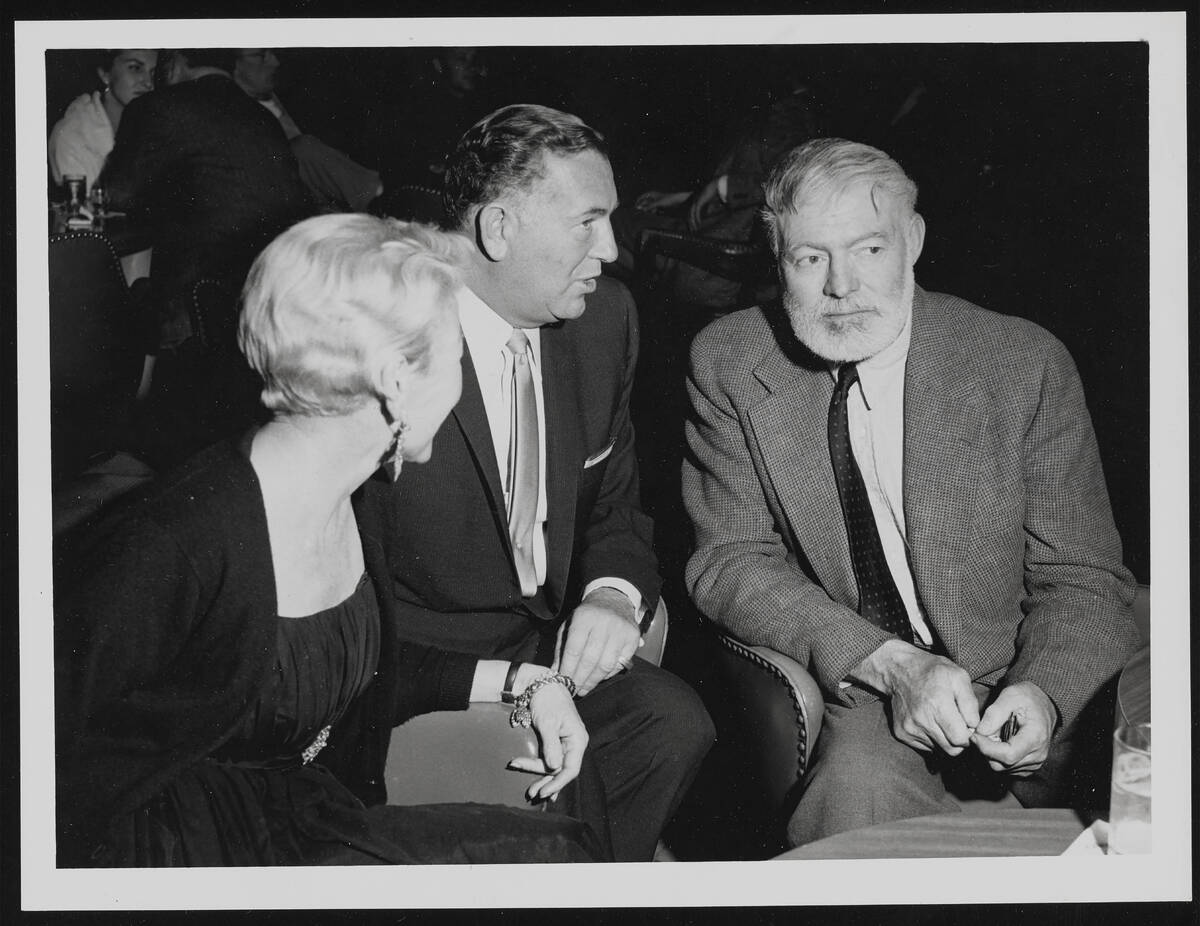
<point x="265" y="799"/>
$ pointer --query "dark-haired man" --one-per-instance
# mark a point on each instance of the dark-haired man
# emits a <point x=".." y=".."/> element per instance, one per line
<point x="549" y="562"/>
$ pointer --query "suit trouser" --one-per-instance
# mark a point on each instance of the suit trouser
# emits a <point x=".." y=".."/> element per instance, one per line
<point x="860" y="774"/>
<point x="647" y="734"/>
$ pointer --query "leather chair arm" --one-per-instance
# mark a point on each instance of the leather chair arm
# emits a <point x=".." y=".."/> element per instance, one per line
<point x="455" y="756"/>
<point x="1141" y="612"/>
<point x="777" y="707"/>
<point x="655" y="637"/>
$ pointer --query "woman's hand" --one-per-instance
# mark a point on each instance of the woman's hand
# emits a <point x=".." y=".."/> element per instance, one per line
<point x="563" y="739"/>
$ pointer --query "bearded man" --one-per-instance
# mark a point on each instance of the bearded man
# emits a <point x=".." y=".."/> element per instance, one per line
<point x="903" y="492"/>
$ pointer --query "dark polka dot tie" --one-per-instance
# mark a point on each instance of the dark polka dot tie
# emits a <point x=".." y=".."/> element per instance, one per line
<point x="878" y="600"/>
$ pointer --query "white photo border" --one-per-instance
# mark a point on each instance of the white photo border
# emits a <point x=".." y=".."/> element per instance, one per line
<point x="1165" y="875"/>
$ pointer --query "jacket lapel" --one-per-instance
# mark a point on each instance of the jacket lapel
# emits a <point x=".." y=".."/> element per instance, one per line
<point x="791" y="429"/>
<point x="563" y="451"/>
<point x="471" y="418"/>
<point x="942" y="422"/>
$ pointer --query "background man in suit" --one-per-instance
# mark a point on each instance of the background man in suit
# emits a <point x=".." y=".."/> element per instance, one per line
<point x="209" y="173"/>
<point x="546" y="557"/>
<point x="902" y="490"/>
<point x="336" y="181"/>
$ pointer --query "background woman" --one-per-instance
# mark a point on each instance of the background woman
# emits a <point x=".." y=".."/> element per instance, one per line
<point x="229" y="626"/>
<point x="81" y="140"/>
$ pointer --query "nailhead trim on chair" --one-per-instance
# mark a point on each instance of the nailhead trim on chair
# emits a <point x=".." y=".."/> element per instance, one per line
<point x="198" y="319"/>
<point x="745" y="652"/>
<point x="99" y="236"/>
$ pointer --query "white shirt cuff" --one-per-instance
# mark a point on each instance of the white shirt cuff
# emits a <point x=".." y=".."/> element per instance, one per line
<point x="628" y="589"/>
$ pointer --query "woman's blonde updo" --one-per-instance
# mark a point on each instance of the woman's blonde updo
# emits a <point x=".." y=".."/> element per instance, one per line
<point x="330" y="300"/>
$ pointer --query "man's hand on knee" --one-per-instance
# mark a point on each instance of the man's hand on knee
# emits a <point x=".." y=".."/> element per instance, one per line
<point x="1036" y="718"/>
<point x="933" y="705"/>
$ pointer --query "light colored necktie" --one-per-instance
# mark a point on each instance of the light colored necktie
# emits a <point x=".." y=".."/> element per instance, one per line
<point x="522" y="473"/>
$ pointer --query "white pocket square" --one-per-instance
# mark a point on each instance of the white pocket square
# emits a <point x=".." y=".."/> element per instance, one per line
<point x="597" y="458"/>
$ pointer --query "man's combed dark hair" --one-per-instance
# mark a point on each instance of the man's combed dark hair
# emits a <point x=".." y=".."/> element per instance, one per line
<point x="503" y="152"/>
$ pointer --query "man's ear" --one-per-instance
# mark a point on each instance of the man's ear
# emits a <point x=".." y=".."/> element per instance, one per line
<point x="494" y="224"/>
<point x="915" y="235"/>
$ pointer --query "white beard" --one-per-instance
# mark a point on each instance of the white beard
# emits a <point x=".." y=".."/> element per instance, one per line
<point x="849" y="340"/>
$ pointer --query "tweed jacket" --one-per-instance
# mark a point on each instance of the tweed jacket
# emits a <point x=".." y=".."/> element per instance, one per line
<point x="1010" y="534"/>
<point x="450" y="555"/>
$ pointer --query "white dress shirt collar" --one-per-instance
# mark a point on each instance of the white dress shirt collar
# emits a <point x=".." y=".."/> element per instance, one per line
<point x="485" y="332"/>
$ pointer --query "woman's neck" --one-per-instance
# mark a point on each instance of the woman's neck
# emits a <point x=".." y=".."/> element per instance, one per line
<point x="308" y="467"/>
<point x="319" y="459"/>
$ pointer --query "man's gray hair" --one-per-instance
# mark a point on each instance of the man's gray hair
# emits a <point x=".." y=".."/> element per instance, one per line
<point x="826" y="165"/>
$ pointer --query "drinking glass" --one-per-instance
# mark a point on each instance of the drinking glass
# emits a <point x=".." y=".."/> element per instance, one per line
<point x="98" y="198"/>
<point x="76" y="185"/>
<point x="1129" y="810"/>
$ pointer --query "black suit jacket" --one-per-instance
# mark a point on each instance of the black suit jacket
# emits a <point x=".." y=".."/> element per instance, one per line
<point x="449" y="551"/>
<point x="210" y="172"/>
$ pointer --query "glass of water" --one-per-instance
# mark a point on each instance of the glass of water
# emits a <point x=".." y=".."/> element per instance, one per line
<point x="1129" y="811"/>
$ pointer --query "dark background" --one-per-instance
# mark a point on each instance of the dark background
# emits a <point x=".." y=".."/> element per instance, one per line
<point x="1031" y="161"/>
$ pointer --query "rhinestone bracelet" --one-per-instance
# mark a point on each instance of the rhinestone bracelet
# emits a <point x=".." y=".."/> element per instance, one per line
<point x="521" y="715"/>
